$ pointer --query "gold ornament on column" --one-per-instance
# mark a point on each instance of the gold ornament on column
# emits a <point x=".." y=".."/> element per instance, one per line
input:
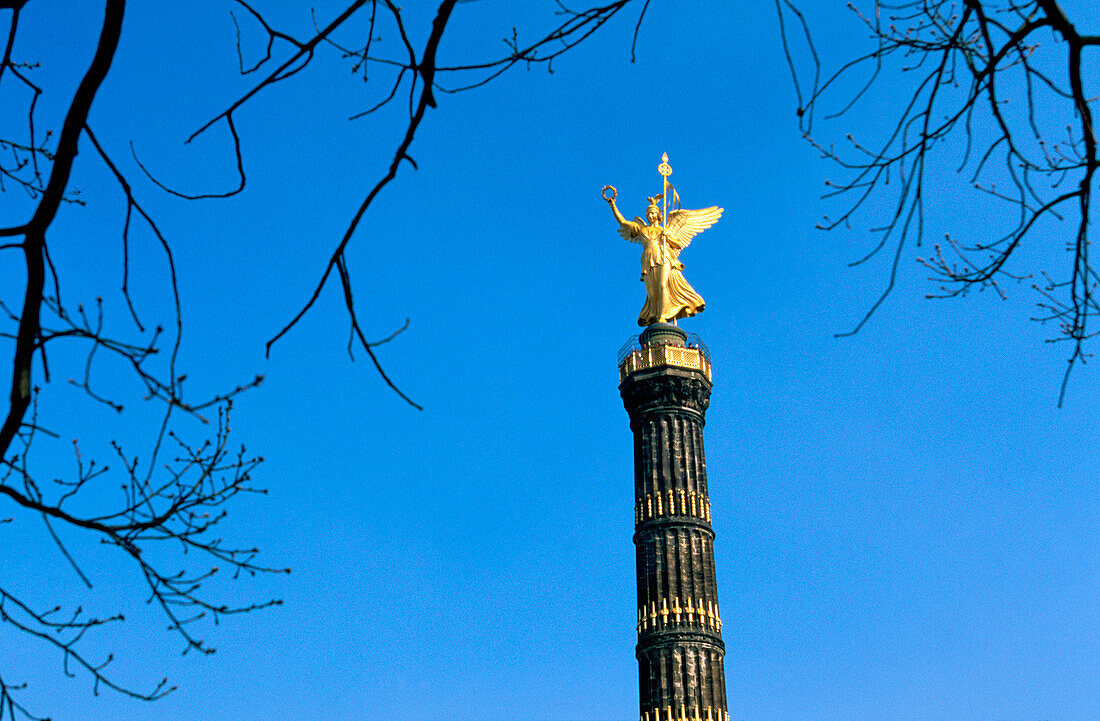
<point x="666" y="230"/>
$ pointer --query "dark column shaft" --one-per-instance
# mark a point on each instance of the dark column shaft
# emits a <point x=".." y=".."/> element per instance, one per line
<point x="680" y="649"/>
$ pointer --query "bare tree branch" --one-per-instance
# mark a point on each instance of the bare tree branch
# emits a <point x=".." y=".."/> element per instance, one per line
<point x="176" y="496"/>
<point x="978" y="58"/>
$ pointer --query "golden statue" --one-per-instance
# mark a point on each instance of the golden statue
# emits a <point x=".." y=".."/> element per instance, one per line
<point x="662" y="236"/>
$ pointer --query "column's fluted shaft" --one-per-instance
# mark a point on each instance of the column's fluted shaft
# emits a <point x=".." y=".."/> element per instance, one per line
<point x="680" y="649"/>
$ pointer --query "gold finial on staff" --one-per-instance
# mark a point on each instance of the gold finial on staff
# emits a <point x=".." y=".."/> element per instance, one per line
<point x="665" y="170"/>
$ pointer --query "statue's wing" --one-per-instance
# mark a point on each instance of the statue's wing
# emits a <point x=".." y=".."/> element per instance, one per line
<point x="683" y="225"/>
<point x="632" y="230"/>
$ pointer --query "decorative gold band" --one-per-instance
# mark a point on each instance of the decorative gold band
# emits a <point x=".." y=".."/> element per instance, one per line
<point x="686" y="714"/>
<point x="689" y="611"/>
<point x="671" y="503"/>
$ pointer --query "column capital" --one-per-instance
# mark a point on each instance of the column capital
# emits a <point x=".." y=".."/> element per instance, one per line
<point x="665" y="388"/>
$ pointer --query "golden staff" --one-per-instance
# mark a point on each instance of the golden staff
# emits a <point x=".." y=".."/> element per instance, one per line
<point x="665" y="170"/>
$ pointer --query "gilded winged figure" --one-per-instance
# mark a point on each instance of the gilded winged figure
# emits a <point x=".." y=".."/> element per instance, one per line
<point x="668" y="296"/>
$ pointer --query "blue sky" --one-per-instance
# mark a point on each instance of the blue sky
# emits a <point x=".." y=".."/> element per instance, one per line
<point x="907" y="525"/>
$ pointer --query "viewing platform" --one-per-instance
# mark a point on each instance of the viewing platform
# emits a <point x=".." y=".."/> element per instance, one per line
<point x="663" y="344"/>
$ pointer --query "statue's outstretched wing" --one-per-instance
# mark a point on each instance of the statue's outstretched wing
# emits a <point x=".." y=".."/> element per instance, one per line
<point x="632" y="230"/>
<point x="683" y="225"/>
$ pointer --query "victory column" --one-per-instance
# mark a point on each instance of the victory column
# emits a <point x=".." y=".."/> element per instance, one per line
<point x="665" y="383"/>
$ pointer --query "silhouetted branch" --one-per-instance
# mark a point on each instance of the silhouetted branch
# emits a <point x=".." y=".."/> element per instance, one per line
<point x="180" y="501"/>
<point x="975" y="58"/>
<point x="180" y="491"/>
